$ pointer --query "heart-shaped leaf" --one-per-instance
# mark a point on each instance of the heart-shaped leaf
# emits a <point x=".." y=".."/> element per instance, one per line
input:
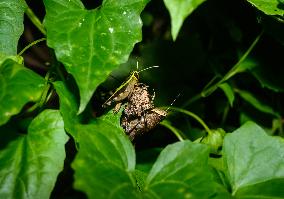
<point x="181" y="171"/>
<point x="179" y="11"/>
<point x="29" y="165"/>
<point x="91" y="43"/>
<point x="254" y="163"/>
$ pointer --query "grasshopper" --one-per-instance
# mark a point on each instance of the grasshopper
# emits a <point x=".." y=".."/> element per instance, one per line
<point x="143" y="124"/>
<point x="138" y="125"/>
<point x="125" y="90"/>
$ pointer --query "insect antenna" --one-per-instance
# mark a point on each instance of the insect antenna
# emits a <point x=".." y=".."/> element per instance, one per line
<point x="173" y="102"/>
<point x="148" y="68"/>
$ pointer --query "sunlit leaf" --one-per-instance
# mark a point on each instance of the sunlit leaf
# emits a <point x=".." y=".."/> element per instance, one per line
<point x="181" y="171"/>
<point x="29" y="165"/>
<point x="18" y="85"/>
<point x="105" y="163"/>
<point x="270" y="7"/>
<point x="11" y="25"/>
<point x="179" y="11"/>
<point x="91" y="43"/>
<point x="68" y="108"/>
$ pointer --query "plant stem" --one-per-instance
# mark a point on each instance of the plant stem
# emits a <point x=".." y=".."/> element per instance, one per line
<point x="167" y="124"/>
<point x="30" y="45"/>
<point x="34" y="19"/>
<point x="43" y="96"/>
<point x="234" y="70"/>
<point x="193" y="115"/>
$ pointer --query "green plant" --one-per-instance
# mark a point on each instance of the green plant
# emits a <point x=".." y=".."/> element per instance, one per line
<point x="186" y="156"/>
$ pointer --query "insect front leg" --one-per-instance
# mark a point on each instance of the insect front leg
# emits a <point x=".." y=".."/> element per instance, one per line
<point x="117" y="107"/>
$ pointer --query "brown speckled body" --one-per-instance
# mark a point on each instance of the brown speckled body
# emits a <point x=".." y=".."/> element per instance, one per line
<point x="139" y="101"/>
<point x="139" y="115"/>
<point x="139" y="125"/>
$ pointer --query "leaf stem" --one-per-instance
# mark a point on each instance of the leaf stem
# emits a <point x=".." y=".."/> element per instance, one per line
<point x="30" y="45"/>
<point x="43" y="96"/>
<point x="34" y="19"/>
<point x="167" y="124"/>
<point x="234" y="70"/>
<point x="193" y="115"/>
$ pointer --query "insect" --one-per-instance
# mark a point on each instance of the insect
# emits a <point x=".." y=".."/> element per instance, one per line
<point x="123" y="91"/>
<point x="139" y="101"/>
<point x="143" y="124"/>
<point x="134" y="125"/>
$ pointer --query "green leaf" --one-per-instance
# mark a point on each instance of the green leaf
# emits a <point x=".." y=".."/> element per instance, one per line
<point x="140" y="177"/>
<point x="91" y="43"/>
<point x="248" y="97"/>
<point x="254" y="163"/>
<point x="11" y="25"/>
<point x="68" y="108"/>
<point x="108" y="171"/>
<point x="245" y="65"/>
<point x="179" y="11"/>
<point x="18" y="59"/>
<point x="270" y="75"/>
<point x="228" y="92"/>
<point x="105" y="163"/>
<point x="30" y="164"/>
<point x="214" y="140"/>
<point x="181" y="171"/>
<point x="18" y="85"/>
<point x="270" y="7"/>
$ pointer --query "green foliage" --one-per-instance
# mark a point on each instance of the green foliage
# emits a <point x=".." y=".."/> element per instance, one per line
<point x="108" y="172"/>
<point x="248" y="97"/>
<point x="30" y="163"/>
<point x="214" y="140"/>
<point x="92" y="43"/>
<point x="181" y="171"/>
<point x="11" y="25"/>
<point x="179" y="11"/>
<point x="14" y="77"/>
<point x="68" y="108"/>
<point x="254" y="163"/>
<point x="270" y="77"/>
<point x="227" y="89"/>
<point x="190" y="154"/>
<point x="270" y="7"/>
